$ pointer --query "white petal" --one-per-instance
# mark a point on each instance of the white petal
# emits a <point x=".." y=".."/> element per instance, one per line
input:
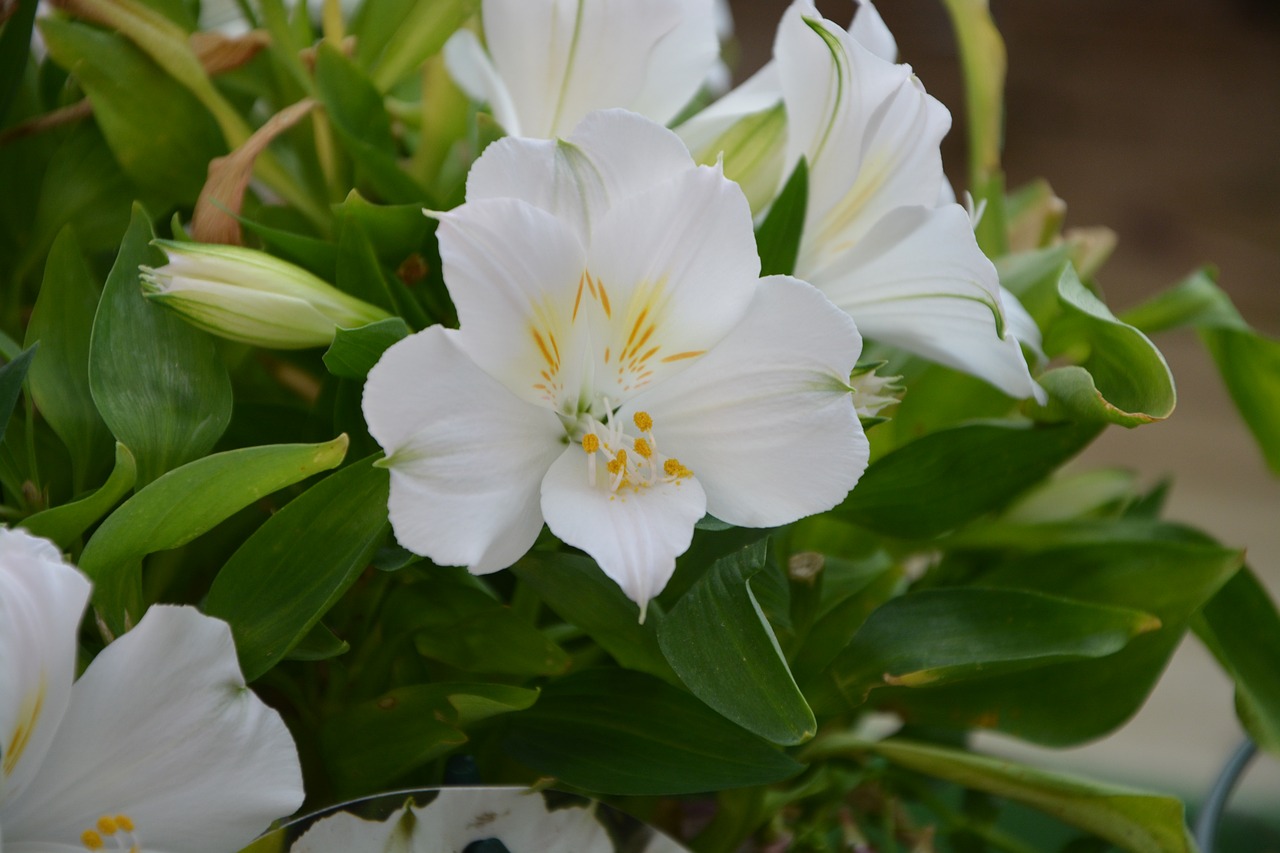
<point x="635" y="534"/>
<point x="475" y="74"/>
<point x="41" y="602"/>
<point x="466" y="455"/>
<point x="516" y="817"/>
<point x="765" y="420"/>
<point x="345" y="833"/>
<point x="761" y="91"/>
<point x="512" y="270"/>
<point x="919" y="281"/>
<point x="680" y="62"/>
<point x="870" y="31"/>
<point x="679" y="263"/>
<point x="161" y="728"/>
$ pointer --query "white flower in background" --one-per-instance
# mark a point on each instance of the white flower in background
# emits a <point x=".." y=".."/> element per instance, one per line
<point x="878" y="239"/>
<point x="620" y="369"/>
<point x="252" y="297"/>
<point x="159" y="746"/>
<point x="550" y="62"/>
<point x="520" y="820"/>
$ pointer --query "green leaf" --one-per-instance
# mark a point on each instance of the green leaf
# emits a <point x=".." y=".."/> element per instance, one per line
<point x="67" y="523"/>
<point x="941" y="481"/>
<point x="159" y="383"/>
<point x="619" y="732"/>
<point x="275" y="588"/>
<point x="355" y="351"/>
<point x="11" y="378"/>
<point x="1131" y="819"/>
<point x="420" y="35"/>
<point x="319" y="644"/>
<point x="778" y="237"/>
<point x="15" y="43"/>
<point x="940" y="636"/>
<point x="183" y="504"/>
<point x="62" y="321"/>
<point x="719" y="642"/>
<point x="1123" y="379"/>
<point x="168" y="150"/>
<point x="575" y="588"/>
<point x="1241" y="627"/>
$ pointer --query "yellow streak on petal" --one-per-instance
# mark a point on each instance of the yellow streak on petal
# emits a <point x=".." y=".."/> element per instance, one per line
<point x="604" y="301"/>
<point x="578" y="299"/>
<point x="28" y="717"/>
<point x="682" y="355"/>
<point x="546" y="353"/>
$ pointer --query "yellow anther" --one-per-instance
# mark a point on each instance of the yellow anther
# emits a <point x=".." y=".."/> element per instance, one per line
<point x="107" y="825"/>
<point x="673" y="468"/>
<point x="91" y="840"/>
<point x="618" y="462"/>
<point x="644" y="423"/>
<point x="642" y="448"/>
<point x="590" y="442"/>
<point x="124" y="822"/>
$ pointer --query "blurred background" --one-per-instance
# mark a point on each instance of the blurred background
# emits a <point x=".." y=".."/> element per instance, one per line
<point x="1161" y="121"/>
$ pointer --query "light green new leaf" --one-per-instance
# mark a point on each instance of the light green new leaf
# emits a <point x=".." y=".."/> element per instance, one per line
<point x="159" y="383"/>
<point x="67" y="523"/>
<point x="355" y="351"/>
<point x="943" y="636"/>
<point x="1130" y="819"/>
<point x="719" y="642"/>
<point x="183" y="504"/>
<point x="419" y="36"/>
<point x="275" y="588"/>
<point x="62" y="321"/>
<point x="614" y="731"/>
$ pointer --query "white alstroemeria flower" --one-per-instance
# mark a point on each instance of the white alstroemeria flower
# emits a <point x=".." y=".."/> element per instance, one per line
<point x="620" y="369"/>
<point x="550" y="62"/>
<point x="878" y="239"/>
<point x="158" y="748"/>
<point x="517" y="818"/>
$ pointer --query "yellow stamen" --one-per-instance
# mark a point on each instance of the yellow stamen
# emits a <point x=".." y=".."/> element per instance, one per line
<point x="590" y="442"/>
<point x="618" y="463"/>
<point x="673" y="468"/>
<point x="91" y="840"/>
<point x="107" y="825"/>
<point x="644" y="422"/>
<point x="642" y="448"/>
<point x="124" y="822"/>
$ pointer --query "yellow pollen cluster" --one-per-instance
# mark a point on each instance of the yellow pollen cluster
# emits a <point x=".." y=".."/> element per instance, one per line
<point x="643" y="421"/>
<point x="642" y="467"/>
<point x="91" y="840"/>
<point x="590" y="442"/>
<point x="673" y="468"/>
<point x="643" y="448"/>
<point x="110" y="826"/>
<point x="618" y="462"/>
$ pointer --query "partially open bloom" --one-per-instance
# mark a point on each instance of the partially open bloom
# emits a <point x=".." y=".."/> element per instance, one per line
<point x="252" y="297"/>
<point x="620" y="369"/>
<point x="159" y="746"/>
<point x="550" y="62"/>
<point x="880" y="238"/>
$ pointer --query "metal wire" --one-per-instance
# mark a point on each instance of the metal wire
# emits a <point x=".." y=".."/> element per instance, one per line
<point x="1210" y="815"/>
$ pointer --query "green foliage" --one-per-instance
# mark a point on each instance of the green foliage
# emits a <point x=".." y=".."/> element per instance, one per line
<point x="778" y="237"/>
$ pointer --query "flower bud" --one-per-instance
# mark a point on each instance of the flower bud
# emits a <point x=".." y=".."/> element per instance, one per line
<point x="252" y="297"/>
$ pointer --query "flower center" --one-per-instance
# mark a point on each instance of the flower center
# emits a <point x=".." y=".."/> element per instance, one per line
<point x="118" y="830"/>
<point x="631" y="462"/>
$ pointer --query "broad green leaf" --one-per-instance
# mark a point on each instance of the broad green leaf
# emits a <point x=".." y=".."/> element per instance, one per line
<point x="319" y="644"/>
<point x="1241" y="627"/>
<point x="1131" y="819"/>
<point x="317" y="256"/>
<point x="941" y="481"/>
<point x="1122" y="377"/>
<point x="719" y="642"/>
<point x="1069" y="703"/>
<point x="165" y="150"/>
<point x="1196" y="301"/>
<point x="67" y="523"/>
<point x="361" y="273"/>
<point x="159" y="383"/>
<point x="395" y="231"/>
<point x="275" y="588"/>
<point x="420" y="35"/>
<point x="940" y="636"/>
<point x="62" y="321"/>
<point x="373" y="743"/>
<point x="11" y="378"/>
<point x="619" y="732"/>
<point x="576" y="589"/>
<point x="355" y="351"/>
<point x="183" y="504"/>
<point x="778" y="237"/>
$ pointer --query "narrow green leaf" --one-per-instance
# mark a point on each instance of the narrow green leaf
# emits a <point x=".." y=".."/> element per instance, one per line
<point x="15" y="44"/>
<point x="719" y="642"/>
<point x="420" y="35"/>
<point x="576" y="589"/>
<point x="619" y="732"/>
<point x="941" y="481"/>
<point x="778" y="237"/>
<point x="275" y="588"/>
<point x="940" y="636"/>
<point x="62" y="321"/>
<point x="1131" y="819"/>
<point x="1241" y="627"/>
<point x="67" y="523"/>
<point x="355" y="351"/>
<point x="159" y="383"/>
<point x="183" y="504"/>
<point x="11" y="378"/>
<point x="319" y="644"/>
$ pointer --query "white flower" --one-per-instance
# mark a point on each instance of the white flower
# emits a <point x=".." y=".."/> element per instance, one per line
<point x="550" y="62"/>
<point x="877" y="238"/>
<point x="159" y="746"/>
<point x="252" y="297"/>
<point x="517" y="818"/>
<point x="620" y="368"/>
